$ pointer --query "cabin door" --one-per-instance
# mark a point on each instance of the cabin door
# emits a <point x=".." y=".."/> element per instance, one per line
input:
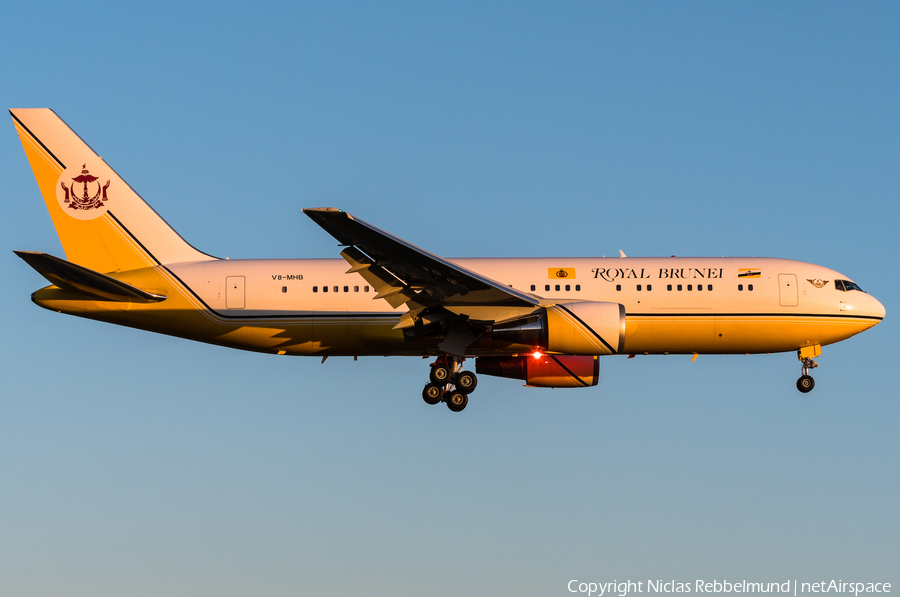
<point x="787" y="290"/>
<point x="234" y="292"/>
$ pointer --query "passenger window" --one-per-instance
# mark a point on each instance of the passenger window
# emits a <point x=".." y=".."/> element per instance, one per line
<point x="356" y="289"/>
<point x="749" y="286"/>
<point x="335" y="288"/>
<point x="557" y="287"/>
<point x="346" y="289"/>
<point x="315" y="289"/>
<point x="679" y="288"/>
<point x="668" y="287"/>
<point x="639" y="287"/>
<point x="578" y="288"/>
<point x="568" y="288"/>
<point x="618" y="287"/>
<point x="709" y="287"/>
<point x="740" y="286"/>
<point x="649" y="287"/>
<point x="532" y="288"/>
<point x="547" y="287"/>
<point x="284" y="289"/>
<point x="365" y="289"/>
<point x="690" y="286"/>
<point x="324" y="289"/>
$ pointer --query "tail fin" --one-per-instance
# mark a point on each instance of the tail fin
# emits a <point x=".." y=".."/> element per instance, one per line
<point x="103" y="224"/>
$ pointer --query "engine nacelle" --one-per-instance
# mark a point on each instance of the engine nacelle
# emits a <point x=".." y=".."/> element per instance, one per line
<point x="587" y="328"/>
<point x="545" y="371"/>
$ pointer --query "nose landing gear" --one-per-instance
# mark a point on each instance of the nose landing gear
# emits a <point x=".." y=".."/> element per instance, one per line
<point x="805" y="355"/>
<point x="806" y="383"/>
<point x="446" y="372"/>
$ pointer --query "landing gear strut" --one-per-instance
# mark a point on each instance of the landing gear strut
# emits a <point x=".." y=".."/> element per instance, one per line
<point x="446" y="372"/>
<point x="806" y="383"/>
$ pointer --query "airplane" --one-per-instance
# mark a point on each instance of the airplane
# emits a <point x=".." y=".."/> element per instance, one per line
<point x="545" y="321"/>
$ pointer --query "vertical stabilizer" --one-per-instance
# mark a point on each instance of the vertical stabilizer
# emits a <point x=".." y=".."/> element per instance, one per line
<point x="103" y="224"/>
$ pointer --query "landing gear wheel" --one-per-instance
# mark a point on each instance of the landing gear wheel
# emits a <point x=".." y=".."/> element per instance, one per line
<point x="432" y="394"/>
<point x="806" y="383"/>
<point x="456" y="400"/>
<point x="466" y="381"/>
<point x="440" y="374"/>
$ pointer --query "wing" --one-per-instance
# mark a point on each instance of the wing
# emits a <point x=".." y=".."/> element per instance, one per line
<point x="402" y="273"/>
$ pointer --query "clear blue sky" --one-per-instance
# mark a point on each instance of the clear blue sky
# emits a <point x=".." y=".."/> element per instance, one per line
<point x="135" y="464"/>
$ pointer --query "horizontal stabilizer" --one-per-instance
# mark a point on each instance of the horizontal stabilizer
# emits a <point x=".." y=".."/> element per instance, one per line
<point x="69" y="276"/>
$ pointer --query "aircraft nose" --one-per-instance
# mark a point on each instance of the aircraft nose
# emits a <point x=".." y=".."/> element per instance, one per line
<point x="876" y="308"/>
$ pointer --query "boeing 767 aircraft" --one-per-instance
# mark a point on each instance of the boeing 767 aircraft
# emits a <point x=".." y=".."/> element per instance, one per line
<point x="542" y="320"/>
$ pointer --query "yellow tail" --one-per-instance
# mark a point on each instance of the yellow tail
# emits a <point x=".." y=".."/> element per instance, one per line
<point x="103" y="224"/>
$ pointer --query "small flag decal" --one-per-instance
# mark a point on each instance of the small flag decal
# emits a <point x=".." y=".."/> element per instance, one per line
<point x="561" y="273"/>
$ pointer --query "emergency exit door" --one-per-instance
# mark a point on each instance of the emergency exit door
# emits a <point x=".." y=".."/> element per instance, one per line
<point x="234" y="292"/>
<point x="787" y="290"/>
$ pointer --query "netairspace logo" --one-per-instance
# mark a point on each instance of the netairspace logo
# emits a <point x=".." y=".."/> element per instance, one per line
<point x="791" y="587"/>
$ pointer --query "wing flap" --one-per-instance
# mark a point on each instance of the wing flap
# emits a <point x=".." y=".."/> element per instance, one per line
<point x="386" y="285"/>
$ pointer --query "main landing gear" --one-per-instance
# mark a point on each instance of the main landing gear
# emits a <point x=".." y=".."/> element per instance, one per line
<point x="806" y="383"/>
<point x="445" y="372"/>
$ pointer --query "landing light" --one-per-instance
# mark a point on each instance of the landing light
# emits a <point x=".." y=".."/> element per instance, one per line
<point x="537" y="354"/>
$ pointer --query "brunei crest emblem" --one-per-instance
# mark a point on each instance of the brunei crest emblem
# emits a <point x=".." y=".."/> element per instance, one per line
<point x="83" y="192"/>
<point x="818" y="282"/>
<point x="86" y="201"/>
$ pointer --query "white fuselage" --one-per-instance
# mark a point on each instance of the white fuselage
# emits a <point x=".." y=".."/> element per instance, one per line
<point x="683" y="304"/>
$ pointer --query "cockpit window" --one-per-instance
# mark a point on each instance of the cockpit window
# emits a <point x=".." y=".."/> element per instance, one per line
<point x="846" y="285"/>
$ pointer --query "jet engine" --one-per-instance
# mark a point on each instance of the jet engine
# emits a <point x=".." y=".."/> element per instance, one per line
<point x="544" y="370"/>
<point x="585" y="328"/>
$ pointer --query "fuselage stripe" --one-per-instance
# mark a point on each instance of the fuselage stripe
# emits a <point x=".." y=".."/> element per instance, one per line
<point x="134" y="238"/>
<point x="41" y="143"/>
<point x="589" y="328"/>
<point x="569" y="371"/>
<point x="714" y="314"/>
